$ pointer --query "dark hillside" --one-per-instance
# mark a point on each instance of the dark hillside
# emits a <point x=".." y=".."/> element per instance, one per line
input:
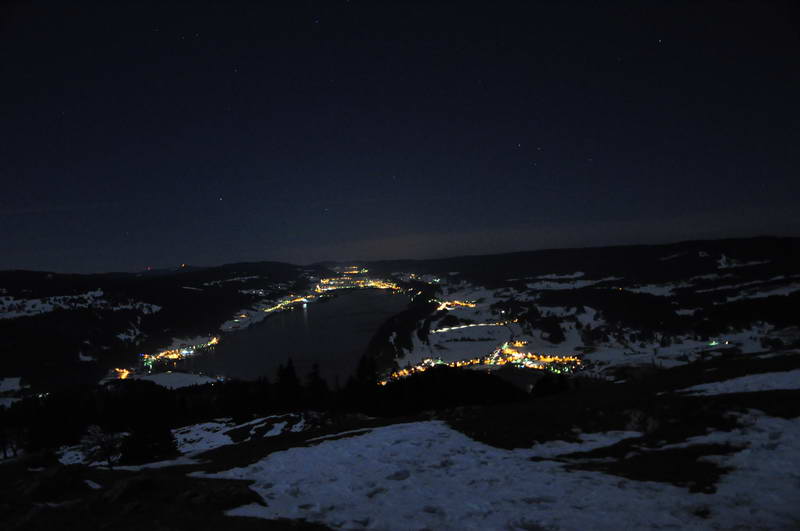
<point x="645" y="263"/>
<point x="92" y="310"/>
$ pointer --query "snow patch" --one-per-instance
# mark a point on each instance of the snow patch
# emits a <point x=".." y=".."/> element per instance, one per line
<point x="729" y="263"/>
<point x="92" y="485"/>
<point x="555" y="276"/>
<point x="769" y="381"/>
<point x="10" y="384"/>
<point x="754" y="294"/>
<point x="6" y="401"/>
<point x="11" y="307"/>
<point x="574" y="284"/>
<point x="426" y="475"/>
<point x="659" y="290"/>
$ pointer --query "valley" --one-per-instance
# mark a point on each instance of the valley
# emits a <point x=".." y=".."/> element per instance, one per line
<point x="654" y="383"/>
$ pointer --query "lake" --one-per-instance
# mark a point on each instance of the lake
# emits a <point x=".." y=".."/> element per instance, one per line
<point x="334" y="333"/>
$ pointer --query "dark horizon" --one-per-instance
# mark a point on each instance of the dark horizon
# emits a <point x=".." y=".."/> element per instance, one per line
<point x="175" y="267"/>
<point x="159" y="133"/>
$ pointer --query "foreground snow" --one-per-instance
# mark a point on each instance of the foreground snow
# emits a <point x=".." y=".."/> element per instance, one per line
<point x="8" y="401"/>
<point x="195" y="439"/>
<point x="198" y="438"/>
<point x="769" y="381"/>
<point x="201" y="437"/>
<point x="426" y="475"/>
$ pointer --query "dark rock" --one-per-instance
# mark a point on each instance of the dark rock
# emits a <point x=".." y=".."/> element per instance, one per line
<point x="399" y="475"/>
<point x="132" y="488"/>
<point x="54" y="484"/>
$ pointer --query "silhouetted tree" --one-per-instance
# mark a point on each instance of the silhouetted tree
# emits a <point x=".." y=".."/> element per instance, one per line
<point x="318" y="391"/>
<point x="101" y="445"/>
<point x="288" y="386"/>
<point x="552" y="327"/>
<point x="148" y="443"/>
<point x="367" y="372"/>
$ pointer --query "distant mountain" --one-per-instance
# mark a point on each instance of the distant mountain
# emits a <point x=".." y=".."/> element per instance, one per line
<point x="636" y="262"/>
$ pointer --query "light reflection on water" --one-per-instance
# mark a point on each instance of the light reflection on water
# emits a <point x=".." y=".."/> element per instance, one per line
<point x="333" y="333"/>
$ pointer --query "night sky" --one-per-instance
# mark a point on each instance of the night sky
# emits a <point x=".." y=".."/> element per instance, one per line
<point x="152" y="134"/>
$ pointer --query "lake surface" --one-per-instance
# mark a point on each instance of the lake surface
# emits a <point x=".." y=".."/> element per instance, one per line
<point x="334" y="333"/>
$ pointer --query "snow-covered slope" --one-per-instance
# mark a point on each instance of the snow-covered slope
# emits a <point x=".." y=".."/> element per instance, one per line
<point x="768" y="381"/>
<point x="426" y="475"/>
<point x="11" y="307"/>
<point x="609" y="321"/>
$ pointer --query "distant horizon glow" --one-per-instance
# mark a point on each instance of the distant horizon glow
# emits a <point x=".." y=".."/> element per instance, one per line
<point x="353" y="131"/>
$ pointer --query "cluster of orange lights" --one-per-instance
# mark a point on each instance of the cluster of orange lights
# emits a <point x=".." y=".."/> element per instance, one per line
<point x="508" y="354"/>
<point x="354" y="270"/>
<point x="380" y="284"/>
<point x="330" y="284"/>
<point x="171" y="354"/>
<point x="288" y="302"/>
<point x="452" y="305"/>
<point x="505" y="354"/>
<point x="179" y="353"/>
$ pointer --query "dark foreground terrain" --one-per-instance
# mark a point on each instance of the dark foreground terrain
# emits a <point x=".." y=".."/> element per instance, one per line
<point x="38" y="492"/>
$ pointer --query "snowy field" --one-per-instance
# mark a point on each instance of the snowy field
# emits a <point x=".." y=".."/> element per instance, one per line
<point x="478" y="337"/>
<point x="459" y="344"/>
<point x="426" y="475"/>
<point x="567" y="284"/>
<point x="10" y="384"/>
<point x="198" y="438"/>
<point x="8" y="401"/>
<point x="760" y="294"/>
<point x="11" y="307"/>
<point x="10" y="389"/>
<point x="768" y="381"/>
